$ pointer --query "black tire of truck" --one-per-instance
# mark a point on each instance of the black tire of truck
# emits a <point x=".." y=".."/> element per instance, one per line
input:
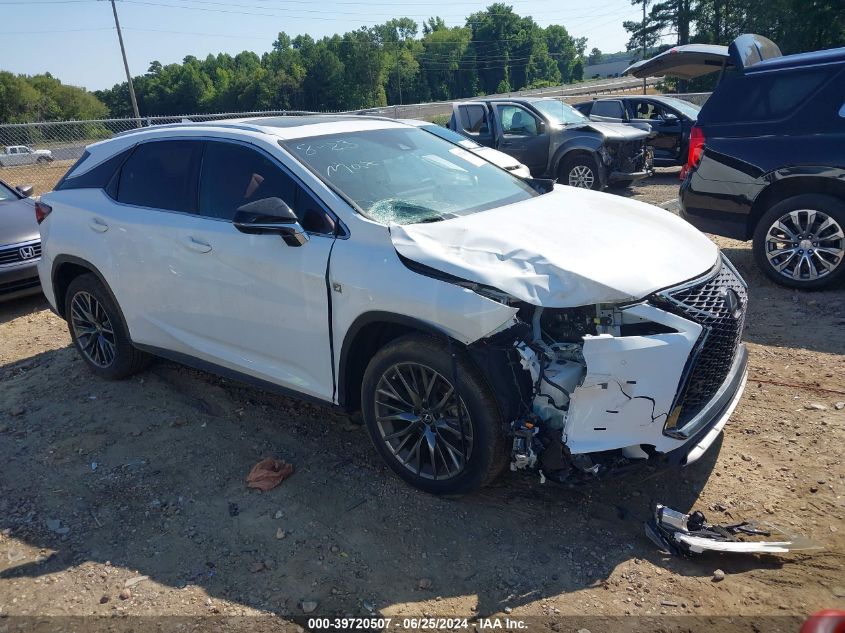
<point x="580" y="170"/>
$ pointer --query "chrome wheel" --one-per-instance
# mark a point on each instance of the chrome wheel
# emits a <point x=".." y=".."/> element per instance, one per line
<point x="805" y="245"/>
<point x="581" y="176"/>
<point x="92" y="329"/>
<point x="417" y="414"/>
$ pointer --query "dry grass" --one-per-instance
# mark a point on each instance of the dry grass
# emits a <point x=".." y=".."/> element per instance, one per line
<point x="42" y="177"/>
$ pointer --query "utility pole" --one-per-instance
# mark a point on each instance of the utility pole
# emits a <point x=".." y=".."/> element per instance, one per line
<point x="644" y="47"/>
<point x="126" y="65"/>
<point x="399" y="76"/>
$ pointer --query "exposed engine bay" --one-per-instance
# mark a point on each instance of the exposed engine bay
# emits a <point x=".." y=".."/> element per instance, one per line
<point x="598" y="399"/>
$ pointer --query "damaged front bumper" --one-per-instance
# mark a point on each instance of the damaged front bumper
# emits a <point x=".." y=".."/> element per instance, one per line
<point x="653" y="381"/>
<point x="629" y="164"/>
<point x="707" y="425"/>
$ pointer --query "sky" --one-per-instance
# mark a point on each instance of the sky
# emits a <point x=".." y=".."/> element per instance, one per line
<point x="75" y="40"/>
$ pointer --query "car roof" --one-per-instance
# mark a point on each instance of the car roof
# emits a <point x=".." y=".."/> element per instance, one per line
<point x="280" y="128"/>
<point x="812" y="58"/>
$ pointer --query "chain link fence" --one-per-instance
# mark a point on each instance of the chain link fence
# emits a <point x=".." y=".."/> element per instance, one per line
<point x="39" y="154"/>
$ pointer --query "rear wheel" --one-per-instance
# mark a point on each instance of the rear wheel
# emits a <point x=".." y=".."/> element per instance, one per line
<point x="580" y="171"/>
<point x="98" y="331"/>
<point x="800" y="243"/>
<point x="439" y="430"/>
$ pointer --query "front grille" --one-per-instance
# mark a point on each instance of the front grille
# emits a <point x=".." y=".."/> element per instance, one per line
<point x="14" y="255"/>
<point x="707" y="303"/>
<point x="629" y="156"/>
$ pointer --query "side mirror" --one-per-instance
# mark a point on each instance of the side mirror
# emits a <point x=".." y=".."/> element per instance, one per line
<point x="670" y="118"/>
<point x="541" y="127"/>
<point x="24" y="190"/>
<point x="270" y="215"/>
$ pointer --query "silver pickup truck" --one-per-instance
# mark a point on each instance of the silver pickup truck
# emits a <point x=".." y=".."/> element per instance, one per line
<point x="12" y="155"/>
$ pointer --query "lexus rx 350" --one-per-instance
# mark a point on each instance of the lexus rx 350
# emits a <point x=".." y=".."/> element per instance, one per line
<point x="475" y="319"/>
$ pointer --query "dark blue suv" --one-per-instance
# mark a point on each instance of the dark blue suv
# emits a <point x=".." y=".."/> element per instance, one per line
<point x="766" y="159"/>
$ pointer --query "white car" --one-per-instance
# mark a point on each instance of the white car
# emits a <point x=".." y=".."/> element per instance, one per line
<point x="475" y="320"/>
<point x="13" y="155"/>
<point x="500" y="159"/>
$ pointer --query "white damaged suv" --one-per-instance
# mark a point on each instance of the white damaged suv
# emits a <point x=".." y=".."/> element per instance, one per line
<point x="475" y="319"/>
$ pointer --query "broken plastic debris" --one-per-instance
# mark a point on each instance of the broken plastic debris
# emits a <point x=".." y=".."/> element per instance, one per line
<point x="684" y="534"/>
<point x="268" y="473"/>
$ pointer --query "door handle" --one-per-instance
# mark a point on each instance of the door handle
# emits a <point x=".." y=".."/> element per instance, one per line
<point x="98" y="225"/>
<point x="196" y="245"/>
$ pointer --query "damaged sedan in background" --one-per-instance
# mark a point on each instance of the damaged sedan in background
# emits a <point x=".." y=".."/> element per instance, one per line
<point x="477" y="320"/>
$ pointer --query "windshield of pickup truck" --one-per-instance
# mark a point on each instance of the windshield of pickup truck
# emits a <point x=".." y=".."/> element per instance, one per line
<point x="406" y="176"/>
<point x="558" y="112"/>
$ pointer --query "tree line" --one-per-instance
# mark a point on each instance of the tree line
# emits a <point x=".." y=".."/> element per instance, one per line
<point x="495" y="51"/>
<point x="44" y="98"/>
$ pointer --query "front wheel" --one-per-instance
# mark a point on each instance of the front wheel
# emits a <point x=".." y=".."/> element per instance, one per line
<point x="440" y="430"/>
<point x="580" y="171"/>
<point x="42" y="160"/>
<point x="800" y="243"/>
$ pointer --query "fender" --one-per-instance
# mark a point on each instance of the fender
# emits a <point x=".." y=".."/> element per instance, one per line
<point x="78" y="261"/>
<point x="362" y="321"/>
<point x="588" y="141"/>
<point x="786" y="182"/>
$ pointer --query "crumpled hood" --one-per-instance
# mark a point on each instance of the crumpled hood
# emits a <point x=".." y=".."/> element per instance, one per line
<point x="567" y="248"/>
<point x="618" y="131"/>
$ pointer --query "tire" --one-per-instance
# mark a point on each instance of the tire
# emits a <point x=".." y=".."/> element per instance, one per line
<point x="423" y="360"/>
<point x="789" y="249"/>
<point x="580" y="168"/>
<point x="88" y="306"/>
<point x="42" y="160"/>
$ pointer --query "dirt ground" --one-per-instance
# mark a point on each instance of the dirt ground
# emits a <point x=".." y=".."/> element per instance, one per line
<point x="147" y="477"/>
<point x="42" y="177"/>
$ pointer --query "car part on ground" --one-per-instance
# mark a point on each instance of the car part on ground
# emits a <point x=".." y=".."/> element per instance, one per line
<point x="687" y="534"/>
<point x="556" y="141"/>
<point x="768" y="137"/>
<point x="20" y="243"/>
<point x="366" y="264"/>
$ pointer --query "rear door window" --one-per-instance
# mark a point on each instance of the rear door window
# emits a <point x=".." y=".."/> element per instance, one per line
<point x="474" y="119"/>
<point x="162" y="175"/>
<point x="765" y="96"/>
<point x="610" y="109"/>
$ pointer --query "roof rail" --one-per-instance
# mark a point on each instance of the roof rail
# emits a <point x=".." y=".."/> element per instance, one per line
<point x="187" y="123"/>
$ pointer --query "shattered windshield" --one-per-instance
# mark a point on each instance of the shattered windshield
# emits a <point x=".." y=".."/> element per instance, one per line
<point x="559" y="112"/>
<point x="407" y="176"/>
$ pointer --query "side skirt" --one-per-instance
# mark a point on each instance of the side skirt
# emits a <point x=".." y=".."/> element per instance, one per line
<point x="232" y="374"/>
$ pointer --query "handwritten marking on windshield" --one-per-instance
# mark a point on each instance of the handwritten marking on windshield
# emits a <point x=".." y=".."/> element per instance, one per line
<point x="333" y="146"/>
<point x="351" y="168"/>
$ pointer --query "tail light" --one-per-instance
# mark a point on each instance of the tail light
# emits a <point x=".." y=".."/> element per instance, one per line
<point x="696" y="148"/>
<point x="42" y="211"/>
